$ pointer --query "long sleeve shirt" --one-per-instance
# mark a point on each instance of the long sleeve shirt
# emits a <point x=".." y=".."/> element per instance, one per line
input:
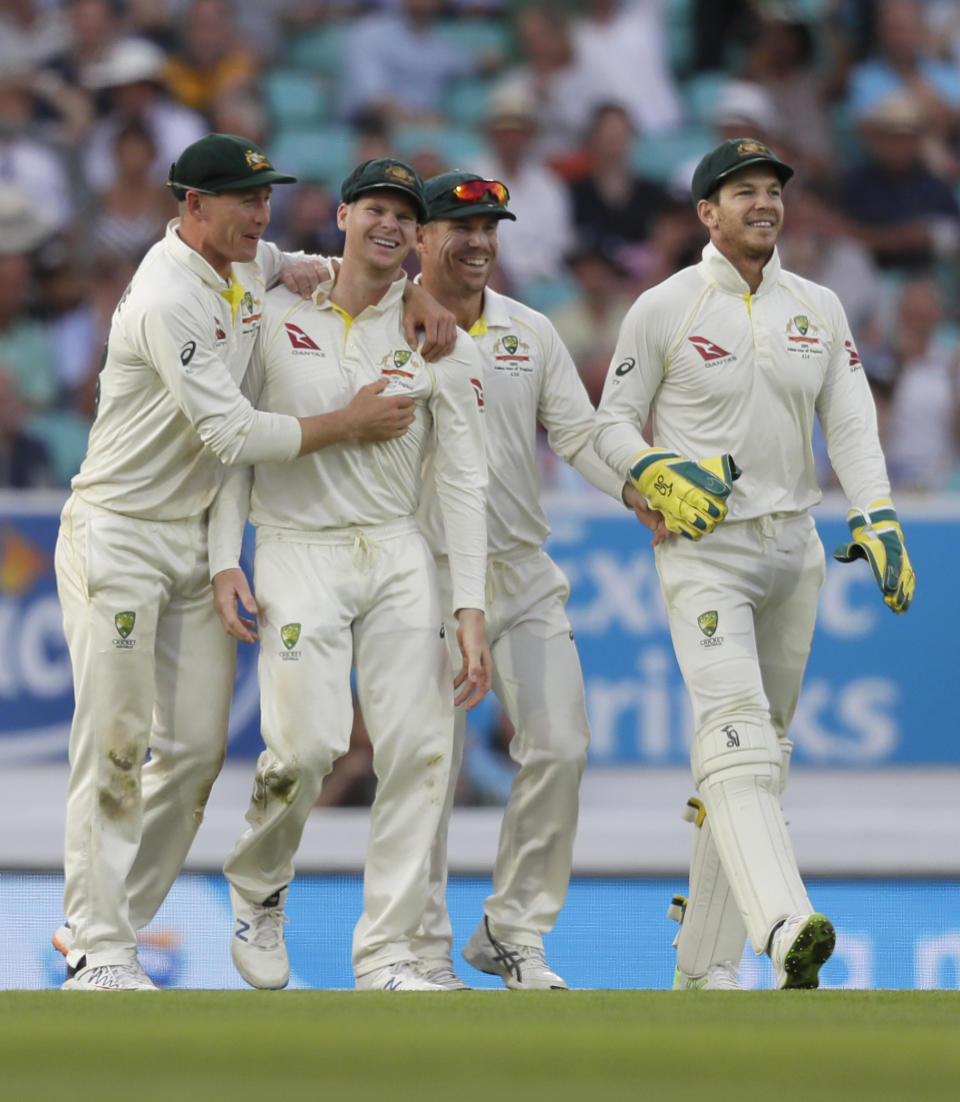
<point x="312" y="358"/>
<point x="529" y="376"/>
<point x="170" y="412"/>
<point x="724" y="370"/>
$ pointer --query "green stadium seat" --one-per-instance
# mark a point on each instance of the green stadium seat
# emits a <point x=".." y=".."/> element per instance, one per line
<point x="454" y="145"/>
<point x="324" y="153"/>
<point x="320" y="48"/>
<point x="660" y="156"/>
<point x="294" y="97"/>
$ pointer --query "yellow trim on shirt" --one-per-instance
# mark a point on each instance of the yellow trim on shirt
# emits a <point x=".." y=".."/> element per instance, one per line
<point x="479" y="327"/>
<point x="348" y="318"/>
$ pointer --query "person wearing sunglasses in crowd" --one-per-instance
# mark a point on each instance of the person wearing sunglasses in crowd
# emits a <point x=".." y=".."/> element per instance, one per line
<point x="529" y="376"/>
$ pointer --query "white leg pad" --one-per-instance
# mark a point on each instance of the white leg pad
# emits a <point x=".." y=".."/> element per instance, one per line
<point x="712" y="930"/>
<point x="738" y="771"/>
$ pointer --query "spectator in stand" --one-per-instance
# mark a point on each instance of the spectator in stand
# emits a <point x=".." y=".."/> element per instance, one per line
<point x="589" y="323"/>
<point x="129" y="84"/>
<point x="906" y="215"/>
<point x="34" y="167"/>
<point x="560" y="90"/>
<point x="26" y="350"/>
<point x="621" y="46"/>
<point x="212" y="59"/>
<point x="533" y="248"/>
<point x="24" y="462"/>
<point x="310" y="224"/>
<point x="134" y="210"/>
<point x="613" y="206"/>
<point x="398" y="63"/>
<point x="781" y="59"/>
<point x="923" y="422"/>
<point x="30" y="34"/>
<point x="93" y="28"/>
<point x="902" y="65"/>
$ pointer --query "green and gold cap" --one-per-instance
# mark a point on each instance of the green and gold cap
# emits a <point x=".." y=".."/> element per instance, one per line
<point x="729" y="157"/>
<point x="385" y="172"/>
<point x="223" y="162"/>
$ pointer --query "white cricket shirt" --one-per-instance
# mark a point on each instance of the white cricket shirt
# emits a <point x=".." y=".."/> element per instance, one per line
<point x="170" y="411"/>
<point x="724" y="370"/>
<point x="311" y="358"/>
<point x="528" y="376"/>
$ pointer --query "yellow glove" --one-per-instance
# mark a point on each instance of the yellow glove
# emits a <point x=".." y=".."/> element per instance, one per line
<point x="878" y="538"/>
<point x="691" y="496"/>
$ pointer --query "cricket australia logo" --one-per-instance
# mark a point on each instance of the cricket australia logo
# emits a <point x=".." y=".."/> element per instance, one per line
<point x="397" y="364"/>
<point x="802" y="336"/>
<point x="256" y="160"/>
<point x="512" y="354"/>
<point x="124" y="623"/>
<point x="290" y="636"/>
<point x="707" y="622"/>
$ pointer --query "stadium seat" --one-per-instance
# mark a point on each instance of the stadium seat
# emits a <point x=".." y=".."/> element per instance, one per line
<point x="661" y="156"/>
<point x="466" y="102"/>
<point x="320" y="48"/>
<point x="294" y="97"/>
<point x="322" y="153"/>
<point x="479" y="36"/>
<point x="454" y="145"/>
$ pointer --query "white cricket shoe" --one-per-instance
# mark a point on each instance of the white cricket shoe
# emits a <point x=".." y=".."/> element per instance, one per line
<point x="403" y="975"/>
<point x="439" y="970"/>
<point x="799" y="947"/>
<point x="718" y="977"/>
<point x="128" y="976"/>
<point x="521" y="967"/>
<point x="257" y="945"/>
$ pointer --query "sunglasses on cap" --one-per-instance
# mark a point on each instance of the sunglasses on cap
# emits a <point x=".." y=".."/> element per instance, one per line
<point x="478" y="191"/>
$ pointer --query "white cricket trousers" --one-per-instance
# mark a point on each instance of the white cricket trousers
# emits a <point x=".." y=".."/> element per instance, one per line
<point x="538" y="680"/>
<point x="368" y="597"/>
<point x="152" y="668"/>
<point x="742" y="606"/>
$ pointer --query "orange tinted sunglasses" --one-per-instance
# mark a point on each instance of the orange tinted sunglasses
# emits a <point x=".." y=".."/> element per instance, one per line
<point x="476" y="191"/>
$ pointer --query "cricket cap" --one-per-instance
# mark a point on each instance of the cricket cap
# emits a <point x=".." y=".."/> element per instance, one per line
<point x="462" y="194"/>
<point x="385" y="172"/>
<point x="223" y="162"/>
<point x="729" y="157"/>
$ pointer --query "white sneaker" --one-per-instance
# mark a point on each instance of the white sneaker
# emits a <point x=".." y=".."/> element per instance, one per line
<point x="439" y="970"/>
<point x="257" y="945"/>
<point x="718" y="977"/>
<point x="799" y="947"/>
<point x="128" y="976"/>
<point x="521" y="967"/>
<point x="404" y="975"/>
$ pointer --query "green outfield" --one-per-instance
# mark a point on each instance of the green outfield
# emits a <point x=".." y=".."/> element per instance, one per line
<point x="597" y="1046"/>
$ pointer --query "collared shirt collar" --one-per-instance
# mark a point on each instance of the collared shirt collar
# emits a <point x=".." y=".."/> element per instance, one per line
<point x="391" y="296"/>
<point x="190" y="258"/>
<point x="718" y="270"/>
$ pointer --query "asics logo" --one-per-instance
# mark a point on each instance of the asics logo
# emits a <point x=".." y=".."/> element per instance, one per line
<point x="241" y="929"/>
<point x="393" y="984"/>
<point x="502" y="955"/>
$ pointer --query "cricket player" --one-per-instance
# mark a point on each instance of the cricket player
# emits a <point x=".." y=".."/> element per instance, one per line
<point x="151" y="664"/>
<point x="734" y="357"/>
<point x="529" y="376"/>
<point x="343" y="576"/>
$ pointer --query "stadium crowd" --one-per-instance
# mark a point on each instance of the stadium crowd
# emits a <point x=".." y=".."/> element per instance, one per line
<point x="593" y="113"/>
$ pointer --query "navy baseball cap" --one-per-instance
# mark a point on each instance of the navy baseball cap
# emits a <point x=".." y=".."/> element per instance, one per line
<point x="461" y="194"/>
<point x="385" y="172"/>
<point x="223" y="162"/>
<point x="729" y="157"/>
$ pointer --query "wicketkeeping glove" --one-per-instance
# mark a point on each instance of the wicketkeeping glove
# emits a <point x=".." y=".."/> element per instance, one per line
<point x="878" y="538"/>
<point x="692" y="496"/>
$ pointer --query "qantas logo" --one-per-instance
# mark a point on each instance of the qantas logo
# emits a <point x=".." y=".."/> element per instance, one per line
<point x="478" y="390"/>
<point x="221" y="335"/>
<point x="854" y="355"/>
<point x="299" y="339"/>
<point x="709" y="352"/>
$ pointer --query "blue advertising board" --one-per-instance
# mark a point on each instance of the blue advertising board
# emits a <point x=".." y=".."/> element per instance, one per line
<point x="878" y="688"/>
<point x="612" y="933"/>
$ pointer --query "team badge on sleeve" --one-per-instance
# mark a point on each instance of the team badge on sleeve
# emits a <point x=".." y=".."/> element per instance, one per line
<point x="124" y="623"/>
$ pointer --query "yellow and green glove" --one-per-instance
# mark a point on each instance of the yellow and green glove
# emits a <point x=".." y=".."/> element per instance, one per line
<point x="878" y="538"/>
<point x="692" y="496"/>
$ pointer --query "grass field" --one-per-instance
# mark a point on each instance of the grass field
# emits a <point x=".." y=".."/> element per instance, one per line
<point x="597" y="1046"/>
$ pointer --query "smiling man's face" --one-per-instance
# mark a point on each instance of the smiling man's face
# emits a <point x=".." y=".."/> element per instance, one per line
<point x="233" y="223"/>
<point x="745" y="214"/>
